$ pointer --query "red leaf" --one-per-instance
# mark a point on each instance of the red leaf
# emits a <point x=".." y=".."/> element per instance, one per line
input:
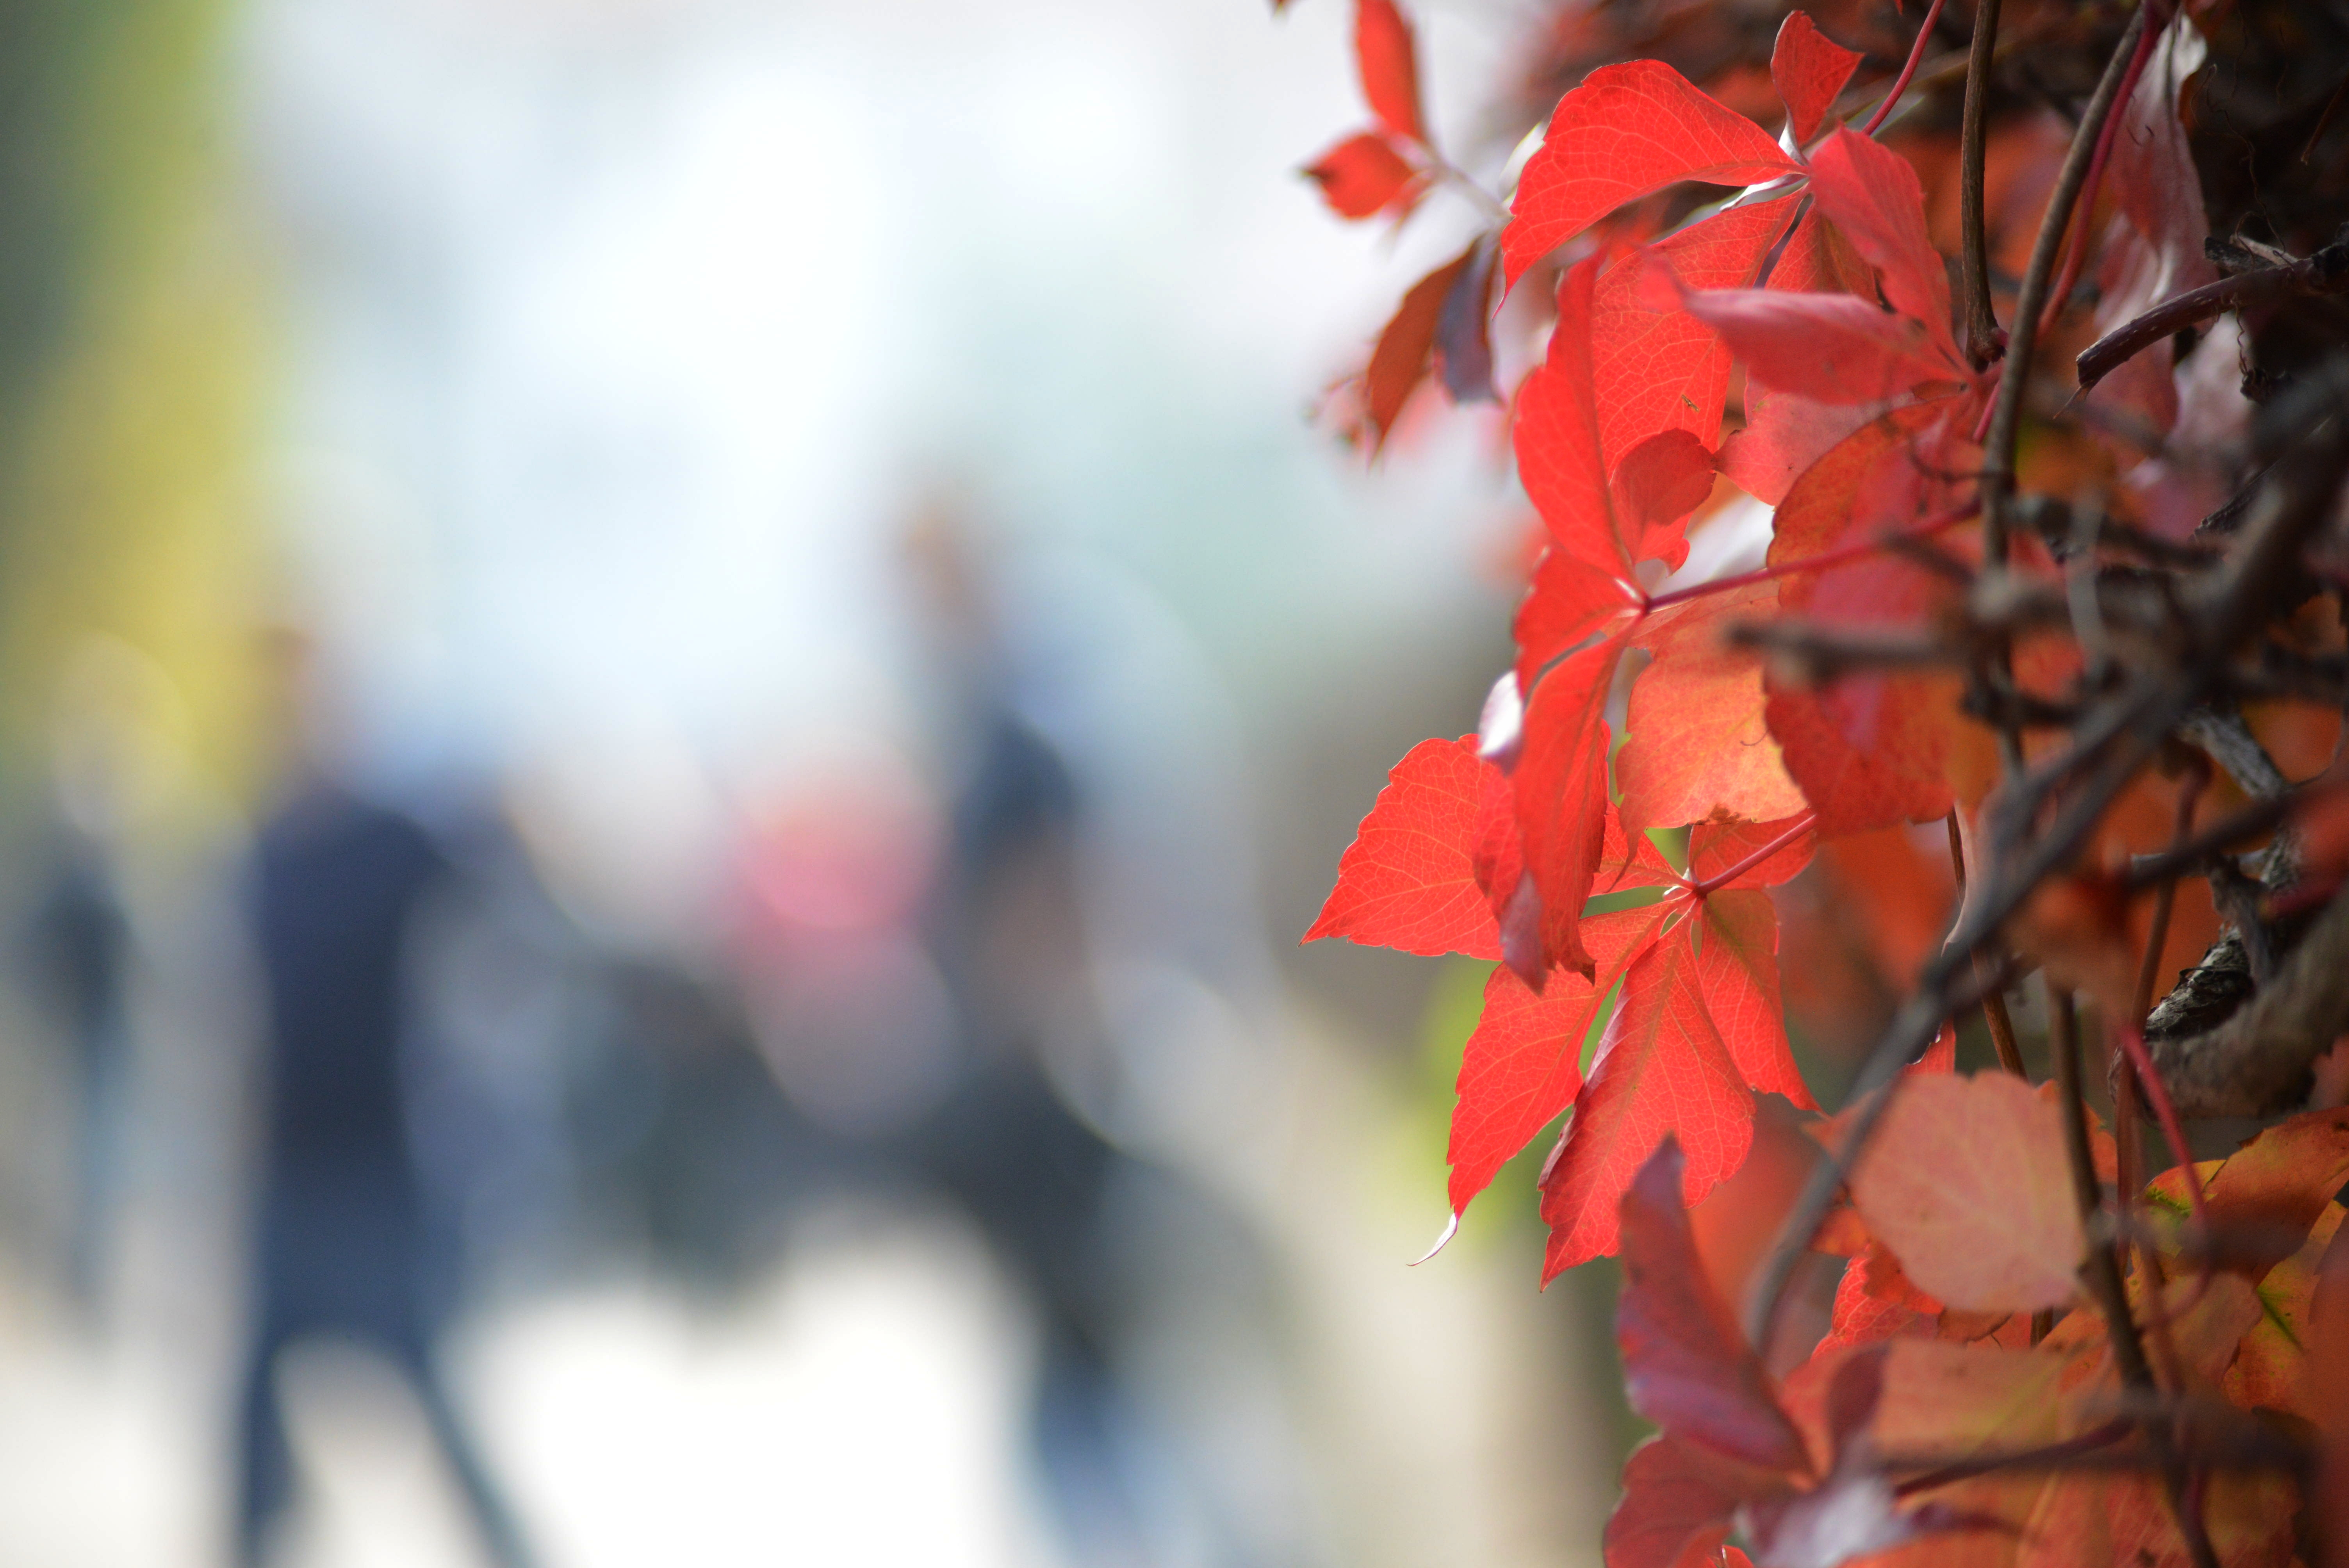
<point x="2153" y="249"/>
<point x="1872" y="196"/>
<point x="1892" y="773"/>
<point x="1655" y="488"/>
<point x="1940" y="1057"/>
<point x="1717" y="849"/>
<point x="1871" y="749"/>
<point x="1698" y="746"/>
<point x="1559" y="459"/>
<point x="1626" y="130"/>
<point x="1832" y="348"/>
<point x="1654" y="366"/>
<point x="1523" y="1065"/>
<point x="1810" y="69"/>
<point x="1389" y="61"/>
<point x="1674" y="1510"/>
<point x="1408" y="881"/>
<point x="1686" y="1365"/>
<point x="1561" y="788"/>
<point x="1364" y="175"/>
<point x="1402" y="356"/>
<point x="1786" y="434"/>
<point x="1571" y="601"/>
<point x="1864" y="1314"/>
<point x="1661" y="1068"/>
<point x="1737" y="973"/>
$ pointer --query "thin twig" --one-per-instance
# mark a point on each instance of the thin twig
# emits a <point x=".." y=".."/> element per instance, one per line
<point x="1900" y="82"/>
<point x="1937" y="523"/>
<point x="1981" y="321"/>
<point x="2326" y="272"/>
<point x="2006" y="413"/>
<point x="2075" y="245"/>
<point x="2102" y="1268"/>
<point x="1995" y="1014"/>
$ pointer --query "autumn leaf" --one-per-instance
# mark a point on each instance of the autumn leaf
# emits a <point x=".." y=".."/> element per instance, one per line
<point x="1561" y="800"/>
<point x="1652" y="366"/>
<point x="1400" y="361"/>
<point x="1878" y="748"/>
<point x="1561" y="459"/>
<point x="1871" y="195"/>
<point x="1463" y="341"/>
<point x="2271" y="1368"/>
<point x="1388" y="59"/>
<point x="2263" y="1198"/>
<point x="1571" y="601"/>
<point x="1966" y="1181"/>
<point x="1626" y="130"/>
<point x="1674" y="1509"/>
<point x="1696" y="746"/>
<point x="1522" y="1067"/>
<point x="1808" y="69"/>
<point x="1408" y="881"/>
<point x="2328" y="1376"/>
<point x="1662" y="1069"/>
<point x="1830" y="348"/>
<point x="1363" y="176"/>
<point x="1686" y="1365"/>
<point x="1737" y="974"/>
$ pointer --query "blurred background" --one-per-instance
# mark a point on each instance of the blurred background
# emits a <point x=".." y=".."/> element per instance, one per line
<point x="674" y="675"/>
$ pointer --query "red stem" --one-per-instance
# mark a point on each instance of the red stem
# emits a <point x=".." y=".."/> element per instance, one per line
<point x="2076" y="242"/>
<point x="2157" y="1095"/>
<point x="1900" y="82"/>
<point x="1818" y="563"/>
<point x="1722" y="879"/>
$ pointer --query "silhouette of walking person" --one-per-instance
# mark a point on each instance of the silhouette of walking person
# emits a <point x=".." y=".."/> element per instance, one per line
<point x="345" y="1243"/>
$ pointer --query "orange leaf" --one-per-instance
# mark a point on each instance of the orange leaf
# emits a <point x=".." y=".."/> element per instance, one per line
<point x="1698" y="746"/>
<point x="1965" y="1181"/>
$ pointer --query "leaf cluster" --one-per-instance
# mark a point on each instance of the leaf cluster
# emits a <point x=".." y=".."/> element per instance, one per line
<point x="1910" y="454"/>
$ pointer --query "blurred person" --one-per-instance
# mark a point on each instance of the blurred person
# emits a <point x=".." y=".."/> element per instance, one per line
<point x="80" y="949"/>
<point x="1021" y="1137"/>
<point x="346" y="1244"/>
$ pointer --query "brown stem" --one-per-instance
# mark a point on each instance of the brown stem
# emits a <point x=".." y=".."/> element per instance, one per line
<point x="2326" y="272"/>
<point x="2257" y="1061"/>
<point x="1995" y="1014"/>
<point x="1981" y="321"/>
<point x="2126" y="1092"/>
<point x="2006" y="413"/>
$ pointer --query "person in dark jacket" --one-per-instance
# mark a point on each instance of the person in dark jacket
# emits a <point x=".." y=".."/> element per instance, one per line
<point x="346" y="1244"/>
